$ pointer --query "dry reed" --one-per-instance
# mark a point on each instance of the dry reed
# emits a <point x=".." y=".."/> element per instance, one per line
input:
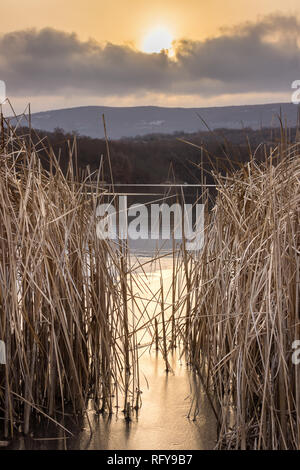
<point x="245" y="315"/>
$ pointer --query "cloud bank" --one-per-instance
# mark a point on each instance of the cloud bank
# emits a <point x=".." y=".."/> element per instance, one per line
<point x="249" y="58"/>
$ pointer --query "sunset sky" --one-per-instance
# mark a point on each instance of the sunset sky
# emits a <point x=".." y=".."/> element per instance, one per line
<point x="61" y="54"/>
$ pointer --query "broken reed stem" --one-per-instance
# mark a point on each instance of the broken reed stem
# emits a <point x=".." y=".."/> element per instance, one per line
<point x="156" y="335"/>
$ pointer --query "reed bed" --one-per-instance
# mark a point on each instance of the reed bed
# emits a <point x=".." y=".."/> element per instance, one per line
<point x="76" y="312"/>
<point x="245" y="312"/>
<point x="63" y="294"/>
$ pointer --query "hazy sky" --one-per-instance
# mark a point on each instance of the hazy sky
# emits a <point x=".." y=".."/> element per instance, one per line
<point x="70" y="53"/>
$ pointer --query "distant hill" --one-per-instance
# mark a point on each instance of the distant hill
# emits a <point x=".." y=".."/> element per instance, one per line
<point x="142" y="120"/>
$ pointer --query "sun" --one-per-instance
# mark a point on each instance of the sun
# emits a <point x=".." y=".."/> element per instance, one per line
<point x="156" y="40"/>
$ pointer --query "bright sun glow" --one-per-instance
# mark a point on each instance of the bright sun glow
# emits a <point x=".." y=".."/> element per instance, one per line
<point x="156" y="40"/>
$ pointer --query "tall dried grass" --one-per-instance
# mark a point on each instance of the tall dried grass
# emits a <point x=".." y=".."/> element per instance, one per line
<point x="246" y="312"/>
<point x="62" y="293"/>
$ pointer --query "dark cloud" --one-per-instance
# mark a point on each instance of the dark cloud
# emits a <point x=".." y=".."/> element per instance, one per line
<point x="253" y="57"/>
